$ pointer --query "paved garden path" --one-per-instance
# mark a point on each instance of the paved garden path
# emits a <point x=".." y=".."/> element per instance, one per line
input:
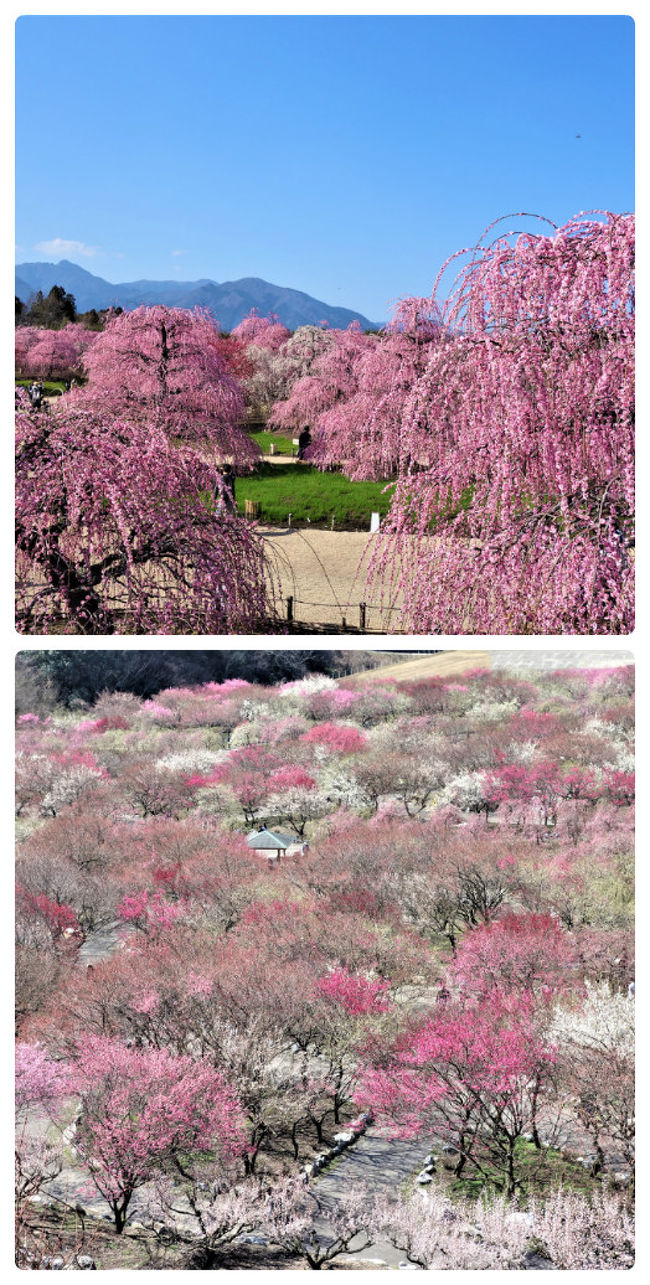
<point x="101" y="944"/>
<point x="383" y="1166"/>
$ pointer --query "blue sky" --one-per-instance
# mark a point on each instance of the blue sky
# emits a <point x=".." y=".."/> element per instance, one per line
<point x="347" y="157"/>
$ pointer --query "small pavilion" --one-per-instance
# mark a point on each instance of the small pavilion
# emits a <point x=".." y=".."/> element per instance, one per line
<point x="272" y="844"/>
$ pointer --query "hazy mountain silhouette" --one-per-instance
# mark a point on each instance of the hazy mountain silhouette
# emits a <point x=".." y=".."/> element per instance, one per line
<point x="228" y="301"/>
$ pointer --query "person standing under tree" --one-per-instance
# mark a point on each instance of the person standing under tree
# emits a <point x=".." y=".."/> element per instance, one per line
<point x="224" y="494"/>
<point x="304" y="440"/>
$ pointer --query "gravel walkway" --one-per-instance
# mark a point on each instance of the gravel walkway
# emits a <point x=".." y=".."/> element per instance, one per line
<point x="325" y="573"/>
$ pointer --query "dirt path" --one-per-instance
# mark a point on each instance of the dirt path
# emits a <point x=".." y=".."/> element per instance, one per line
<point x="325" y="574"/>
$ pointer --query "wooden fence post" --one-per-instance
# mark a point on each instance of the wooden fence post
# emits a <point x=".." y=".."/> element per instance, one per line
<point x="362" y="616"/>
<point x="290" y="610"/>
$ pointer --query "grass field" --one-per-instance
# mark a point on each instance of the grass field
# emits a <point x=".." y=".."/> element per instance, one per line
<point x="50" y="386"/>
<point x="312" y="497"/>
<point x="283" y="445"/>
<point x="538" y="1171"/>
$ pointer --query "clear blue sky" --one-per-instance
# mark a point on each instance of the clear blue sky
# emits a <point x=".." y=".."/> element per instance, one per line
<point x="346" y="157"/>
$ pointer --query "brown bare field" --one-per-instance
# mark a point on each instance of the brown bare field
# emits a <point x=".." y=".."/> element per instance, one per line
<point x="443" y="664"/>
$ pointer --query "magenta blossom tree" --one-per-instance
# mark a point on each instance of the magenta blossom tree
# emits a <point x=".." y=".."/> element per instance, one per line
<point x="355" y="993"/>
<point x="472" y="1076"/>
<point x="261" y="332"/>
<point x="142" y="1109"/>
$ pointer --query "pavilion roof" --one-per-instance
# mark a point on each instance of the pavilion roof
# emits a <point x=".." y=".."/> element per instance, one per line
<point x="270" y="839"/>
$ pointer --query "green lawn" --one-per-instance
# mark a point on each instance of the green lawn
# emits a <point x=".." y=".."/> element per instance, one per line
<point x="264" y="439"/>
<point x="312" y="497"/>
<point x="50" y="386"/>
<point x="539" y="1171"/>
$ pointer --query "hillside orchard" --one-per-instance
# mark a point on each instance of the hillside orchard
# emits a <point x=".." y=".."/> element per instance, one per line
<point x="444" y="954"/>
<point x="502" y="417"/>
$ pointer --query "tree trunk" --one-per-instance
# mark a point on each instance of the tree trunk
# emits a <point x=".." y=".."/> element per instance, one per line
<point x="599" y="1163"/>
<point x="294" y="1140"/>
<point x="119" y="1208"/>
<point x="511" y="1184"/>
<point x="536" y="1137"/>
<point x="250" y="1157"/>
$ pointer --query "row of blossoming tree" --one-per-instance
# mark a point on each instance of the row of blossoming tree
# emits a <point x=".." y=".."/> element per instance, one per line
<point x="502" y="416"/>
<point x="449" y="950"/>
<point x="506" y="414"/>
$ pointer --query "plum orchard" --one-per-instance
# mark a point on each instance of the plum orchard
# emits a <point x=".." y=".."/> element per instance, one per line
<point x="452" y="950"/>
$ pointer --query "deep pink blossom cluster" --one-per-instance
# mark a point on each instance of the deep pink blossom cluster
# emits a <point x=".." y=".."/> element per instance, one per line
<point x="150" y="913"/>
<point x="59" y="917"/>
<point x="356" y="994"/>
<point x="336" y="737"/>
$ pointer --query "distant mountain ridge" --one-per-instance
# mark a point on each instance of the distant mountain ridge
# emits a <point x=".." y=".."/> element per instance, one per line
<point x="228" y="302"/>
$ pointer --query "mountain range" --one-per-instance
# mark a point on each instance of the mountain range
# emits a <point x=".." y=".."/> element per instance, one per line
<point x="228" y="301"/>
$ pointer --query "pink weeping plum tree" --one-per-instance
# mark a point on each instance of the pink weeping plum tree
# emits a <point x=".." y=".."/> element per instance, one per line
<point x="116" y="532"/>
<point x="362" y="425"/>
<point x="513" y="508"/>
<point x="26" y="337"/>
<point x="167" y="367"/>
<point x="261" y="332"/>
<point x="116" y="529"/>
<point x="332" y="378"/>
<point x="52" y="354"/>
